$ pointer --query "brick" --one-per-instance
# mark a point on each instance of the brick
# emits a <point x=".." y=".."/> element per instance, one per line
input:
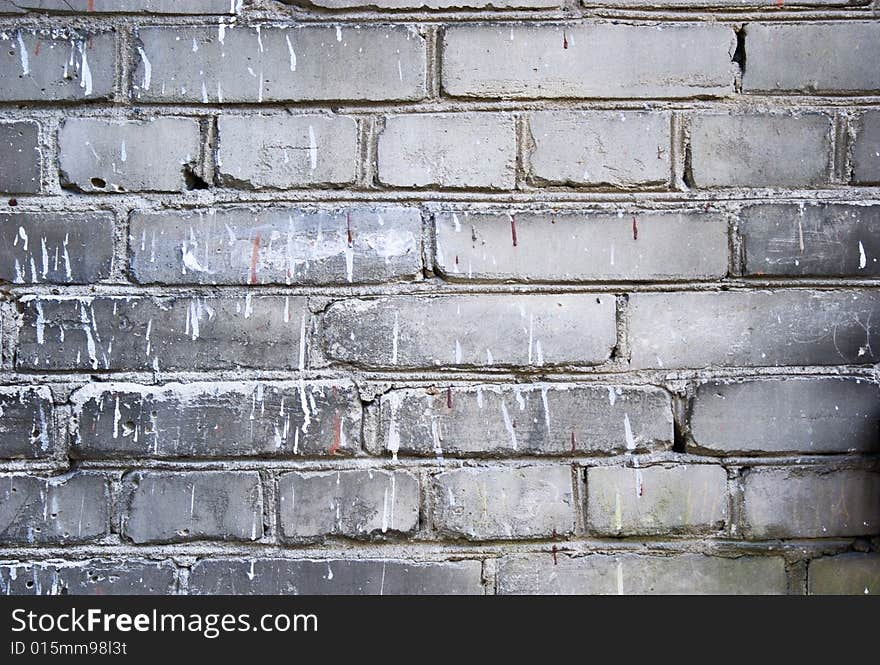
<point x="760" y="328"/>
<point x="26" y="422"/>
<point x="760" y="149"/>
<point x="217" y="419"/>
<point x="553" y="61"/>
<point x="451" y="150"/>
<point x="334" y="576"/>
<point x="504" y="503"/>
<point x="55" y="65"/>
<point x="435" y="4"/>
<point x="271" y="64"/>
<point x="21" y="171"/>
<point x="198" y="505"/>
<point x="286" y="151"/>
<point x="821" y="239"/>
<point x="293" y="245"/>
<point x="790" y="415"/>
<point x="845" y="574"/>
<point x="542" y="419"/>
<point x="47" y="511"/>
<point x="352" y="504"/>
<point x="738" y="4"/>
<point x="635" y="574"/>
<point x="57" y="248"/>
<point x="122" y="6"/>
<point x="94" y="577"/>
<point x="452" y="331"/>
<point x="580" y="246"/>
<point x="656" y="500"/>
<point x="591" y="148"/>
<point x="153" y="333"/>
<point x="866" y="149"/>
<point x="808" y="503"/>
<point x="100" y="155"/>
<point x="813" y="58"/>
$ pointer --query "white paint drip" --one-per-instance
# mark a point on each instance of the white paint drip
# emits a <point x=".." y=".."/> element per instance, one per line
<point x="85" y="80"/>
<point x="148" y="68"/>
<point x="395" y="336"/>
<point x="40" y="322"/>
<point x="313" y="149"/>
<point x="291" y="52"/>
<point x="23" y="54"/>
<point x="628" y="433"/>
<point x="508" y="425"/>
<point x="546" y="407"/>
<point x="863" y="260"/>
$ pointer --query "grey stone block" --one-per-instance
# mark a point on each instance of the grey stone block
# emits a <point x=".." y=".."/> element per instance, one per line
<point x="866" y="149"/>
<point x="27" y="427"/>
<point x="122" y="6"/>
<point x="94" y="577"/>
<point x="846" y="574"/>
<point x="21" y="170"/>
<point x="431" y="4"/>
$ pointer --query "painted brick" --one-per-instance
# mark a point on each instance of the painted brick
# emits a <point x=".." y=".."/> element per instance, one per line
<point x="845" y="574"/>
<point x="27" y="426"/>
<point x="94" y="577"/>
<point x="866" y="149"/>
<point x="21" y="171"/>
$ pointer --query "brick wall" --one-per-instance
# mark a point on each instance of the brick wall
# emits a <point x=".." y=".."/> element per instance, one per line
<point x="465" y="296"/>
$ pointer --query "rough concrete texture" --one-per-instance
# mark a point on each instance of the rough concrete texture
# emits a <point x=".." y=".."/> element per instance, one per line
<point x="95" y="577"/>
<point x="846" y="574"/>
<point x="866" y="150"/>
<point x="353" y="504"/>
<point x="551" y="246"/>
<point x="20" y="168"/>
<point x="656" y="500"/>
<point x="508" y="420"/>
<point x="123" y="6"/>
<point x="811" y="416"/>
<point x="431" y="4"/>
<point x="27" y="426"/>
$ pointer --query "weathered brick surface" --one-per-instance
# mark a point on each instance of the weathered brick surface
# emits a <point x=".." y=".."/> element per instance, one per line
<point x="866" y="149"/>
<point x="27" y="427"/>
<point x="436" y="4"/>
<point x="845" y="574"/>
<point x="544" y="419"/>
<point x="167" y="507"/>
<point x="94" y="577"/>
<point x="656" y="499"/>
<point x="787" y="415"/>
<point x="20" y="169"/>
<point x="127" y="6"/>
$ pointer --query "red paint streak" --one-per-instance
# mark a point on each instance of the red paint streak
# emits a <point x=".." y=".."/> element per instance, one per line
<point x="335" y="391"/>
<point x="573" y="442"/>
<point x="635" y="228"/>
<point x="348" y="227"/>
<point x="553" y="552"/>
<point x="337" y="436"/>
<point x="37" y="48"/>
<point x="255" y="255"/>
<point x="779" y="3"/>
<point x="449" y="397"/>
<point x="513" y="228"/>
<point x="91" y="5"/>
<point x="564" y="40"/>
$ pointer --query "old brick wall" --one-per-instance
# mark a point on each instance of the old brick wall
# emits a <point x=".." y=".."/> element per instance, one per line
<point x="473" y="296"/>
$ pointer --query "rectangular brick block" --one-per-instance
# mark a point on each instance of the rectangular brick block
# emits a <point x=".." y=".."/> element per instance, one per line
<point x="821" y="239"/>
<point x="504" y="503"/>
<point x="846" y="574"/>
<point x="542" y="419"/>
<point x="348" y="503"/>
<point x="51" y="511"/>
<point x="27" y="427"/>
<point x="103" y="155"/>
<point x="217" y="419"/>
<point x="573" y="246"/>
<point x="122" y="6"/>
<point x="232" y="63"/>
<point x="760" y="328"/>
<point x="451" y="150"/>
<point x="171" y="507"/>
<point x="307" y="577"/>
<point x="866" y="149"/>
<point x="21" y="170"/>
<point x="790" y="415"/>
<point x="656" y="500"/>
<point x="286" y="151"/>
<point x="452" y="331"/>
<point x="737" y="4"/>
<point x="760" y="149"/>
<point x="57" y="248"/>
<point x="93" y="577"/>
<point x="154" y="333"/>
<point x="635" y="574"/>
<point x="600" y="148"/>
<point x="813" y="58"/>
<point x="810" y="503"/>
<point x="535" y="61"/>
<point x="436" y="4"/>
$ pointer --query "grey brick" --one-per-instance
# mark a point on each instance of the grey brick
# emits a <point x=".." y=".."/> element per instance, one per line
<point x="845" y="574"/>
<point x="50" y="65"/>
<point x="812" y="57"/>
<point x="334" y="576"/>
<point x="866" y="149"/>
<point x="504" y="503"/>
<point x="656" y="500"/>
<point x="99" y="154"/>
<point x="47" y="511"/>
<point x="155" y="333"/>
<point x="94" y="577"/>
<point x="223" y="64"/>
<point x="737" y="4"/>
<point x="822" y="415"/>
<point x="217" y="419"/>
<point x="635" y="574"/>
<point x="451" y="150"/>
<point x="452" y="331"/>
<point x="126" y="6"/>
<point x="26" y="422"/>
<point x="534" y="61"/>
<point x="760" y="149"/>
<point x="822" y="239"/>
<point x="760" y="328"/>
<point x="349" y="503"/>
<point x="286" y="151"/>
<point x="537" y="246"/>
<point x="435" y="4"/>
<point x="612" y="148"/>
<point x="21" y="171"/>
<point x="809" y="503"/>
<point x="198" y="505"/>
<point x="60" y="248"/>
<point x="537" y="419"/>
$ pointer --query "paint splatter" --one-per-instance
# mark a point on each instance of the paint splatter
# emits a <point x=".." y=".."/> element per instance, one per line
<point x="255" y="255"/>
<point x="337" y="436"/>
<point x="513" y="229"/>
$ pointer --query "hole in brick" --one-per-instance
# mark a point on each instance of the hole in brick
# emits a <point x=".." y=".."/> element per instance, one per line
<point x="193" y="180"/>
<point x="679" y="445"/>
<point x="29" y="585"/>
<point x="99" y="183"/>
<point x="128" y="428"/>
<point x="13" y="202"/>
<point x="739" y="55"/>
